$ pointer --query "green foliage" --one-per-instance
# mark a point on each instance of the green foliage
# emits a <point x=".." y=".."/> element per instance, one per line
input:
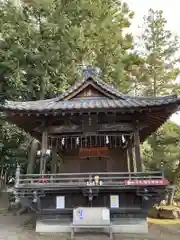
<point x="160" y="50"/>
<point x="165" y="154"/>
<point x="13" y="148"/>
<point x="48" y="40"/>
<point x="43" y="44"/>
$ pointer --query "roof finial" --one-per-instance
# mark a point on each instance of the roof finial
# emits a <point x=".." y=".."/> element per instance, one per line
<point x="89" y="71"/>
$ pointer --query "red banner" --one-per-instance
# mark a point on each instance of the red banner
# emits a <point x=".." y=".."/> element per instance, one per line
<point x="93" y="152"/>
<point x="147" y="182"/>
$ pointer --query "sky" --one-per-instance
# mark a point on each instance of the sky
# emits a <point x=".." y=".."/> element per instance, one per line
<point x="171" y="9"/>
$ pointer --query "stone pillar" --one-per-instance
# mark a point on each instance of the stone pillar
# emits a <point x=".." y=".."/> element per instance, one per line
<point x="43" y="152"/>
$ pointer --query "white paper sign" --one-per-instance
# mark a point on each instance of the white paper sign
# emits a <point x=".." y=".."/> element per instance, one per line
<point x="114" y="201"/>
<point x="105" y="214"/>
<point x="60" y="202"/>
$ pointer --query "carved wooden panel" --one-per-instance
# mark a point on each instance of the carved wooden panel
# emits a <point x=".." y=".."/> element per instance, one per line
<point x="64" y="129"/>
<point x="89" y="92"/>
<point x="116" y="127"/>
<point x="89" y="124"/>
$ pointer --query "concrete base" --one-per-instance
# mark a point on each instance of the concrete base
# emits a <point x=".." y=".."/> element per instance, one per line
<point x="133" y="226"/>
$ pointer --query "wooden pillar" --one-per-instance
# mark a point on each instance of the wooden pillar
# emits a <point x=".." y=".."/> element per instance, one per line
<point x="137" y="151"/>
<point x="54" y="160"/>
<point x="130" y="156"/>
<point x="32" y="156"/>
<point x="43" y="152"/>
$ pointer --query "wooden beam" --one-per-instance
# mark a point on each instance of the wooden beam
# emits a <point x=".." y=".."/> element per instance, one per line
<point x="64" y="129"/>
<point x="77" y="119"/>
<point x="119" y="127"/>
<point x="93" y="134"/>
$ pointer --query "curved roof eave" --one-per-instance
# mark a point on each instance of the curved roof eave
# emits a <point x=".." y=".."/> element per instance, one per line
<point x="89" y="104"/>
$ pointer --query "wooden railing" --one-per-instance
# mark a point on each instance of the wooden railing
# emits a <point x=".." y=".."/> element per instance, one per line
<point x="84" y="179"/>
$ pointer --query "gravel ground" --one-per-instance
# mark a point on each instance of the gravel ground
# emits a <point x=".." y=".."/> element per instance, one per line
<point x="13" y="228"/>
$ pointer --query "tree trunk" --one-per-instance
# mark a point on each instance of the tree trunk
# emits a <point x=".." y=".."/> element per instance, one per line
<point x="171" y="196"/>
<point x="42" y="89"/>
<point x="32" y="156"/>
<point x="137" y="151"/>
<point x="1" y="177"/>
<point x="154" y="90"/>
<point x="35" y="142"/>
<point x="174" y="182"/>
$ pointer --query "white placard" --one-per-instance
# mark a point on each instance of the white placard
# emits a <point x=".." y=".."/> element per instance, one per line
<point x="60" y="202"/>
<point x="105" y="214"/>
<point x="114" y="201"/>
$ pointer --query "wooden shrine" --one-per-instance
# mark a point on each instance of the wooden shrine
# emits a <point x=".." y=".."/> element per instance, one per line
<point x="96" y="131"/>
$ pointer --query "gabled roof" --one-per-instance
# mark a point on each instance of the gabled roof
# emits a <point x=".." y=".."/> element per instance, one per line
<point x="103" y="98"/>
<point x="109" y="98"/>
<point x="91" y="79"/>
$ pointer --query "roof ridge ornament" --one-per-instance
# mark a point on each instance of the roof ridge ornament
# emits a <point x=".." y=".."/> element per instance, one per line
<point x="90" y="71"/>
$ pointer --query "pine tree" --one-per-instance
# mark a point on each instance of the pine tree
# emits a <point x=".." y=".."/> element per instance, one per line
<point x="44" y="42"/>
<point x="160" y="49"/>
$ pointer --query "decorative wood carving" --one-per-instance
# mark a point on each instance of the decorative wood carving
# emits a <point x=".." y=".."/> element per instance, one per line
<point x="124" y="126"/>
<point x="89" y="92"/>
<point x="89" y="127"/>
<point x="97" y="91"/>
<point x="64" y="129"/>
<point x="117" y="127"/>
<point x="89" y="124"/>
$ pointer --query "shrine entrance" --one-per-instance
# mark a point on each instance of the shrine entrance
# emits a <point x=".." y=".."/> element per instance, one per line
<point x="94" y="164"/>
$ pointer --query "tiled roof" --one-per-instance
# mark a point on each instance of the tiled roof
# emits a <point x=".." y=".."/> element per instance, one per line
<point x="89" y="103"/>
<point x="112" y="99"/>
<point x="90" y="76"/>
<point x="97" y="81"/>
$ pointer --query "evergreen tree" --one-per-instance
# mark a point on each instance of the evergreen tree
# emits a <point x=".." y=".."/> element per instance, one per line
<point x="43" y="43"/>
<point x="160" y="49"/>
<point x="48" y="40"/>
